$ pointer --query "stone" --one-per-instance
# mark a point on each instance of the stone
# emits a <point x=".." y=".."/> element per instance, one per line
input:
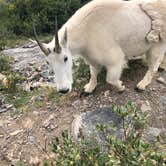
<point x="47" y="122"/>
<point x="32" y="139"/>
<point x="16" y="132"/>
<point x="34" y="161"/>
<point x="145" y="107"/>
<point x="27" y="86"/>
<point x="2" y="110"/>
<point x="28" y="123"/>
<point x="85" y="124"/>
<point x="107" y="93"/>
<point x="163" y="102"/>
<point x="36" y="113"/>
<point x="161" y="80"/>
<point x="2" y="77"/>
<point x="8" y="106"/>
<point x="151" y="133"/>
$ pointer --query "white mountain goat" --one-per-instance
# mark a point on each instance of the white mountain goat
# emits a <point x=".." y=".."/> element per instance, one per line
<point x="107" y="33"/>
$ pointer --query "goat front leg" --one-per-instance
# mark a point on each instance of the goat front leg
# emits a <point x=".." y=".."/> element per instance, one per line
<point x="94" y="71"/>
<point x="113" y="77"/>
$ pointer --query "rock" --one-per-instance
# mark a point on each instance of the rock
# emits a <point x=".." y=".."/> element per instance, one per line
<point x="107" y="93"/>
<point x="4" y="122"/>
<point x="146" y="107"/>
<point x="2" y="110"/>
<point x="37" y="98"/>
<point x="36" y="113"/>
<point x="151" y="133"/>
<point x="163" y="102"/>
<point x="32" y="63"/>
<point x="27" y="86"/>
<point x="16" y="132"/>
<point x="35" y="76"/>
<point x="34" y="161"/>
<point x="161" y="80"/>
<point x="28" y="123"/>
<point x="29" y="45"/>
<point x="2" y="77"/>
<point x="45" y="74"/>
<point x="32" y="139"/>
<point x="5" y="82"/>
<point x="76" y="126"/>
<point x="76" y="104"/>
<point x="1" y="123"/>
<point x="8" y="106"/>
<point x="85" y="124"/>
<point x="47" y="122"/>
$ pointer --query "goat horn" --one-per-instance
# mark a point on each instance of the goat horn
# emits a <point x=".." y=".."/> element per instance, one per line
<point x="57" y="45"/>
<point x="42" y="47"/>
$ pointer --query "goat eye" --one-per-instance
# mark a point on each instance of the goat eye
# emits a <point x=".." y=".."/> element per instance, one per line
<point x="65" y="59"/>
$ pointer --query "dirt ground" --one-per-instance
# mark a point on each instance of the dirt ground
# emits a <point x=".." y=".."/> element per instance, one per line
<point x="27" y="136"/>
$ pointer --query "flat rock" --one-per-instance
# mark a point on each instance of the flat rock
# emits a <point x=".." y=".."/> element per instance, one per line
<point x="85" y="124"/>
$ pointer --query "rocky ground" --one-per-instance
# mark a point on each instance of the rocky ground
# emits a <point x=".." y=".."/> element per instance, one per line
<point x="27" y="135"/>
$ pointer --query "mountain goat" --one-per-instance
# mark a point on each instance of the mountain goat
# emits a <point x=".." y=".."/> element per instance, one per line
<point x="107" y="33"/>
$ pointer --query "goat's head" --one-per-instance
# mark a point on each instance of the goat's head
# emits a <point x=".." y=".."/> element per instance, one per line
<point x="59" y="58"/>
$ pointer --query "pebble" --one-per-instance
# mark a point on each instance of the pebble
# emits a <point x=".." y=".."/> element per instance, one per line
<point x="106" y="93"/>
<point x="35" y="113"/>
<point x="2" y="77"/>
<point x="28" y="123"/>
<point x="34" y="161"/>
<point x="161" y="80"/>
<point x="47" y="122"/>
<point x="146" y="107"/>
<point x="16" y="132"/>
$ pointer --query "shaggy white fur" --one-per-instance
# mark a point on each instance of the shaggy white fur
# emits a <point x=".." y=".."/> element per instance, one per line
<point x="107" y="33"/>
<point x="156" y="10"/>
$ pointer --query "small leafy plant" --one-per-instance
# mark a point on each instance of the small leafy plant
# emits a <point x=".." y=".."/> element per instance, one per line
<point x="4" y="63"/>
<point x="131" y="150"/>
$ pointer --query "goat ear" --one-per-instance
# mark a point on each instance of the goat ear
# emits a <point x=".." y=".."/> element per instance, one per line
<point x="65" y="38"/>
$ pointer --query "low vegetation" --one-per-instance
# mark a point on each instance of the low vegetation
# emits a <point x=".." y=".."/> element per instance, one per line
<point x="132" y="150"/>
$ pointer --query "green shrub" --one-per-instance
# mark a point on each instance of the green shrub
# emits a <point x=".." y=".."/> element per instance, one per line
<point x="12" y="79"/>
<point x="130" y="151"/>
<point x="16" y="16"/>
<point x="4" y="63"/>
<point x="43" y="11"/>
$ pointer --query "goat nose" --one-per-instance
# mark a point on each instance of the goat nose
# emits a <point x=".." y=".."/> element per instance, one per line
<point x="64" y="91"/>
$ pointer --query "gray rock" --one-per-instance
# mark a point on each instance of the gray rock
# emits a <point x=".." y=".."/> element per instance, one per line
<point x="85" y="124"/>
<point x="2" y="110"/>
<point x="151" y="133"/>
<point x="163" y="102"/>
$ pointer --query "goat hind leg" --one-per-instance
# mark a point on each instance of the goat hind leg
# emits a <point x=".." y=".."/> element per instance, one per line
<point x="155" y="57"/>
<point x="163" y="64"/>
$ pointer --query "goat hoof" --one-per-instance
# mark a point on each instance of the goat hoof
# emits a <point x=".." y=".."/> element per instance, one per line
<point x="139" y="90"/>
<point x="120" y="92"/>
<point x="84" y="94"/>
